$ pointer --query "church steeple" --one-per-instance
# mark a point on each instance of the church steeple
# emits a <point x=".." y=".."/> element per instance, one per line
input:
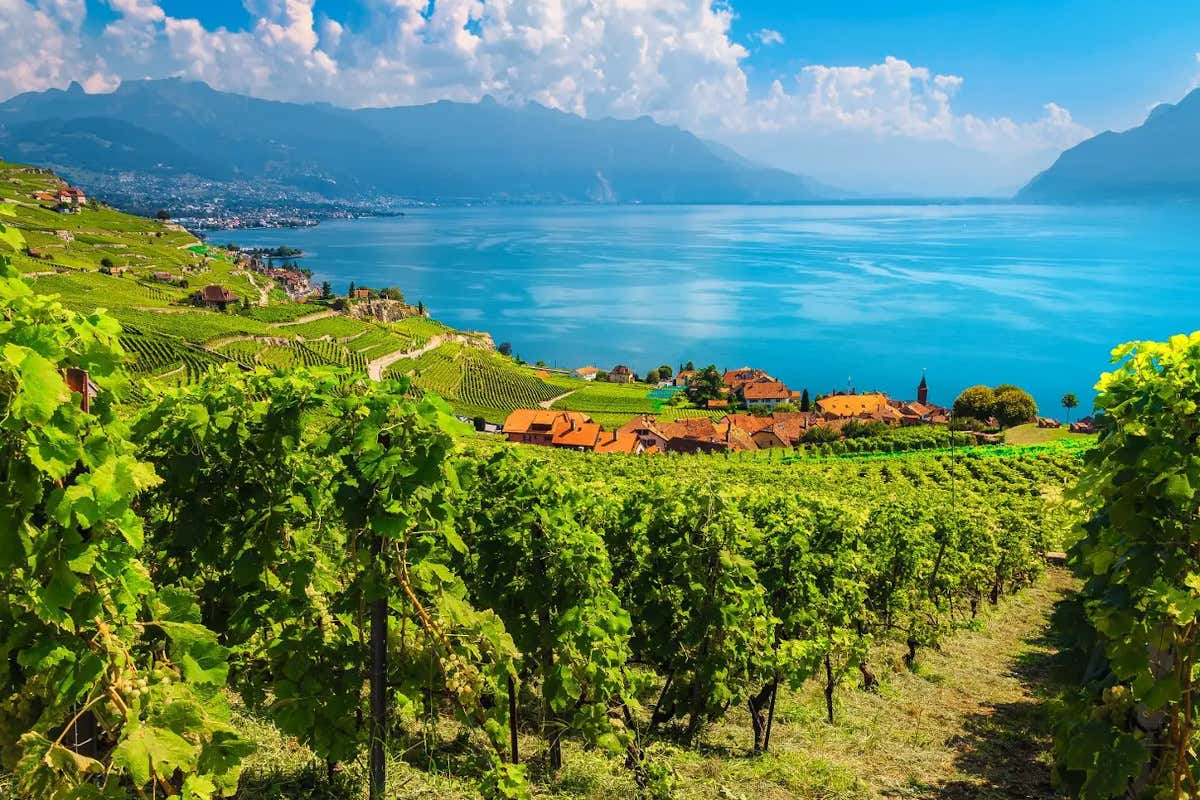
<point x="923" y="390"/>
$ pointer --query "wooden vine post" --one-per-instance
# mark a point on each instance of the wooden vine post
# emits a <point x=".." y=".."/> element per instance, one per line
<point x="378" y="681"/>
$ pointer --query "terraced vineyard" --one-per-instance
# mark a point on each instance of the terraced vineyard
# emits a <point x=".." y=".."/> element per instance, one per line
<point x="283" y="312"/>
<point x="603" y="397"/>
<point x="337" y="327"/>
<point x="168" y="360"/>
<point x="88" y="290"/>
<point x="150" y="355"/>
<point x="377" y="341"/>
<point x="334" y="353"/>
<point x="476" y="381"/>
<point x="245" y="351"/>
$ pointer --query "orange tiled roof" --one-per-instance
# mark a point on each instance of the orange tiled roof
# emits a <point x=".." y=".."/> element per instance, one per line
<point x="853" y="405"/>
<point x="766" y="390"/>
<point x="747" y="422"/>
<point x="540" y="420"/>
<point x="584" y="435"/>
<point x="617" y="442"/>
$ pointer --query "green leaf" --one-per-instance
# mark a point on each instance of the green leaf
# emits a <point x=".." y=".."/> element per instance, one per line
<point x="145" y="750"/>
<point x="42" y="389"/>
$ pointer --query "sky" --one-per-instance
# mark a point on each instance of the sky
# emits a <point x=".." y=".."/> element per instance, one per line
<point x="882" y="97"/>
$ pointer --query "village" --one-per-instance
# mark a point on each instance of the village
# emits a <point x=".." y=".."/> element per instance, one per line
<point x="770" y="415"/>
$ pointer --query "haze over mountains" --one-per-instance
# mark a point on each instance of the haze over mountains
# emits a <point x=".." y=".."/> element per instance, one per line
<point x="443" y="151"/>
<point x="1156" y="161"/>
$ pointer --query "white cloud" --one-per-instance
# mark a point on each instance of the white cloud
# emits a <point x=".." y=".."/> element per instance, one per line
<point x="43" y="48"/>
<point x="675" y="60"/>
<point x="767" y="37"/>
<point x="897" y="99"/>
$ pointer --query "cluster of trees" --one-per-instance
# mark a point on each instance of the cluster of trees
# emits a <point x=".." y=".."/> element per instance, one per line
<point x="656" y="374"/>
<point x="318" y="544"/>
<point x="388" y="293"/>
<point x="1007" y="404"/>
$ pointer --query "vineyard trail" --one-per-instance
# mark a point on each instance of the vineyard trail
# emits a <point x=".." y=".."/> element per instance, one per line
<point x="377" y="367"/>
<point x="553" y="400"/>
<point x="971" y="721"/>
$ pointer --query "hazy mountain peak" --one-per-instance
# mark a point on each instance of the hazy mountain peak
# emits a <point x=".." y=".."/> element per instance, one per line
<point x="440" y="151"/>
<point x="1156" y="161"/>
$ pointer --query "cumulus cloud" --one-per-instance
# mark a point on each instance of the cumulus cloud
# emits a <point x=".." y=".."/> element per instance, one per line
<point x="676" y="60"/>
<point x="897" y="99"/>
<point x="43" y="47"/>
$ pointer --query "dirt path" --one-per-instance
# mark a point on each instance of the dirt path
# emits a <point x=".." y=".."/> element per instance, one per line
<point x="264" y="292"/>
<point x="549" y="403"/>
<point x="969" y="723"/>
<point x="376" y="368"/>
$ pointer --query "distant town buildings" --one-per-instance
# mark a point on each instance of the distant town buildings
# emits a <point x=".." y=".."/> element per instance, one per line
<point x="733" y="432"/>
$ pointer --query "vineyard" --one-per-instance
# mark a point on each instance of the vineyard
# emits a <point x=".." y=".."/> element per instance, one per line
<point x="612" y="398"/>
<point x="475" y="381"/>
<point x="246" y="562"/>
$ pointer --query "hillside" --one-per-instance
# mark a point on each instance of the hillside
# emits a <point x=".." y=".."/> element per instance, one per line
<point x="1156" y="161"/>
<point x="435" y="152"/>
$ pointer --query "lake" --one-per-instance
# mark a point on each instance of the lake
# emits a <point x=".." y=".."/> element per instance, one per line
<point x="823" y="297"/>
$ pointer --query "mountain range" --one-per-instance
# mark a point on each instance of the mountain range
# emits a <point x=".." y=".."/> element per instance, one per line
<point x="1158" y="160"/>
<point x="442" y="152"/>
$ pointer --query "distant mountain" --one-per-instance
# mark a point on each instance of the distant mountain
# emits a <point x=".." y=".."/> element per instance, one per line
<point x="439" y="152"/>
<point x="1158" y="160"/>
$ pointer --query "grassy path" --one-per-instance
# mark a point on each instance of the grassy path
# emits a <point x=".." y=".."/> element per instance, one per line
<point x="969" y="723"/>
<point x="553" y="400"/>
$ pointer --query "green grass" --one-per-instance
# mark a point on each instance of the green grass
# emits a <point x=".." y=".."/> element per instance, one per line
<point x="1030" y="433"/>
<point x="337" y="327"/>
<point x="283" y="312"/>
<point x="628" y="398"/>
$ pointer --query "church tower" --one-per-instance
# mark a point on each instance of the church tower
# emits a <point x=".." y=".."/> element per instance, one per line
<point x="923" y="390"/>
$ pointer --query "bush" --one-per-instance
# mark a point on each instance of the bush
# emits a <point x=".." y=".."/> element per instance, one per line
<point x="976" y="401"/>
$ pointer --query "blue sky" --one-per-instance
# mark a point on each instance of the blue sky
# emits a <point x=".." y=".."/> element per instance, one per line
<point x="1106" y="61"/>
<point x="935" y="97"/>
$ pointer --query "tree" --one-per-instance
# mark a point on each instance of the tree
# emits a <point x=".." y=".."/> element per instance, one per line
<point x="975" y="402"/>
<point x="784" y="408"/>
<point x="819" y="434"/>
<point x="664" y="372"/>
<point x="232" y="247"/>
<point x="1070" y="402"/>
<point x="505" y="348"/>
<point x="326" y="290"/>
<point x="421" y="308"/>
<point x="690" y="366"/>
<point x="350" y="291"/>
<point x="705" y="385"/>
<point x="163" y="214"/>
<point x="106" y="262"/>
<point x="651" y="376"/>
<point x="392" y="293"/>
<point x="1014" y="406"/>
<point x="805" y="403"/>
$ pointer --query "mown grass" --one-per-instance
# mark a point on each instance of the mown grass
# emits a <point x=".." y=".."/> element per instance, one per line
<point x="1030" y="433"/>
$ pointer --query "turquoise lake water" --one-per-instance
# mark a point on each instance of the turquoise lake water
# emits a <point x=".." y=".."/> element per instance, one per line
<point x="818" y="295"/>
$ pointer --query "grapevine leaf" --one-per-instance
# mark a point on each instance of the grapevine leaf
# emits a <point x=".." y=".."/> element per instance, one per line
<point x="144" y="748"/>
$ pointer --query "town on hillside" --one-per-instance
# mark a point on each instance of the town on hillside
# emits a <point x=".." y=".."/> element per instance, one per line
<point x="771" y="418"/>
